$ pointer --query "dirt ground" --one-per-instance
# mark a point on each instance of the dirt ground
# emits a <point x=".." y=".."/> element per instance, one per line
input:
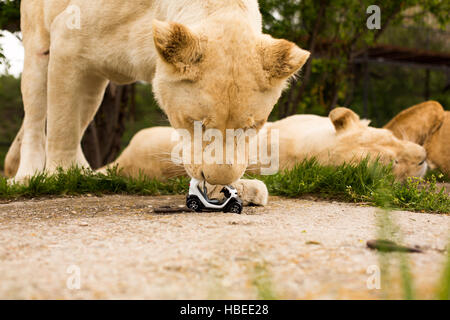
<point x="116" y="247"/>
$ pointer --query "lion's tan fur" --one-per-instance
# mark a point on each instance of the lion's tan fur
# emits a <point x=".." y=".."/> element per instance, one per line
<point x="208" y="60"/>
<point x="428" y="125"/>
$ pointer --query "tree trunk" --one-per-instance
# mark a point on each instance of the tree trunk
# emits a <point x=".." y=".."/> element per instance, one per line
<point x="102" y="141"/>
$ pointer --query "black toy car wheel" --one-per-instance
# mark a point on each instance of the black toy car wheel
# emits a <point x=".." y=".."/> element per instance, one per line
<point x="194" y="204"/>
<point x="235" y="207"/>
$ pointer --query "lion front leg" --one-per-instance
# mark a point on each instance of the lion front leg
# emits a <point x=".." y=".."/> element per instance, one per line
<point x="73" y="99"/>
<point x="30" y="151"/>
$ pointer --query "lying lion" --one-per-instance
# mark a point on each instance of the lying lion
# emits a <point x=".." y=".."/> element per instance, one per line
<point x="426" y="124"/>
<point x="342" y="137"/>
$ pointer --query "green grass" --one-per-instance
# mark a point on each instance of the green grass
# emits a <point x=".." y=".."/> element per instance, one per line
<point x="420" y="195"/>
<point x="347" y="182"/>
<point x="78" y="181"/>
<point x="444" y="285"/>
<point x="440" y="177"/>
<point x="368" y="182"/>
<point x="262" y="281"/>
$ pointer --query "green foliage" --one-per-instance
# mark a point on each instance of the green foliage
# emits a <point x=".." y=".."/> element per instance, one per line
<point x="9" y="20"/>
<point x="393" y="89"/>
<point x="10" y="96"/>
<point x="9" y="13"/>
<point x="11" y="112"/>
<point x="336" y="33"/>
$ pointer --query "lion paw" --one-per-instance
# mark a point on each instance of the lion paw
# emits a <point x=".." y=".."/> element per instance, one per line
<point x="252" y="192"/>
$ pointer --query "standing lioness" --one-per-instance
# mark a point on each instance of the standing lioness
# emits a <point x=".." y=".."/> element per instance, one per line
<point x="208" y="61"/>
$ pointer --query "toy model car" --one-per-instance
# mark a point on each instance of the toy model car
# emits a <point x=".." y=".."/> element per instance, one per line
<point x="198" y="200"/>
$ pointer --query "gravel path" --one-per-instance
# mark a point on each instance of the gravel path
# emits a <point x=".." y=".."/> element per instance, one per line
<point x="290" y="249"/>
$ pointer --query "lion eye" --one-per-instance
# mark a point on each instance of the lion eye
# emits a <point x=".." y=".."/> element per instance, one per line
<point x="422" y="163"/>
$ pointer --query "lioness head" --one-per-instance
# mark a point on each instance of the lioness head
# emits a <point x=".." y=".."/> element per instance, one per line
<point x="226" y="77"/>
<point x="427" y="124"/>
<point x="355" y="139"/>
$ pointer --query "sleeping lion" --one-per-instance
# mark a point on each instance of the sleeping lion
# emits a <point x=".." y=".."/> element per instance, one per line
<point x="341" y="137"/>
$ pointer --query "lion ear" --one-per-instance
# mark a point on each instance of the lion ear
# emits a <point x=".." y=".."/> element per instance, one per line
<point x="177" y="45"/>
<point x="343" y="119"/>
<point x="281" y="58"/>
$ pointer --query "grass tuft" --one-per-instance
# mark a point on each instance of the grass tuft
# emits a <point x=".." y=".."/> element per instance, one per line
<point x="367" y="181"/>
<point x="349" y="182"/>
<point x="77" y="181"/>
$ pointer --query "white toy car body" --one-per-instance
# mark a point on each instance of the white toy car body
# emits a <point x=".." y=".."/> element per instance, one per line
<point x="198" y="200"/>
